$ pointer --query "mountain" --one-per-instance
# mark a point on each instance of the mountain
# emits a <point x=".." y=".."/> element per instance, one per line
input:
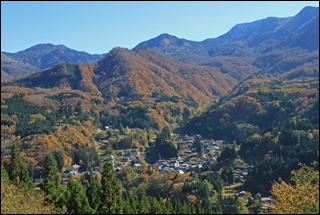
<point x="270" y="33"/>
<point x="253" y="44"/>
<point x="177" y="48"/>
<point x="139" y="72"/>
<point x="13" y="69"/>
<point x="146" y="72"/>
<point x="44" y="56"/>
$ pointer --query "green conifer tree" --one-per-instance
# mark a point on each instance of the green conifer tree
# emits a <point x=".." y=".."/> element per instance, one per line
<point x="51" y="184"/>
<point x="110" y="192"/>
<point x="76" y="200"/>
<point x="18" y="170"/>
<point x="94" y="193"/>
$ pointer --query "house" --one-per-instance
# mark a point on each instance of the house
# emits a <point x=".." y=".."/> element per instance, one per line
<point x="267" y="203"/>
<point x="138" y="165"/>
<point x="266" y="200"/>
<point x="242" y="193"/>
<point x="180" y="171"/>
<point x="217" y="153"/>
<point x="177" y="164"/>
<point x="187" y="138"/>
<point x="73" y="172"/>
<point x="75" y="167"/>
<point x="198" y="135"/>
<point x="219" y="142"/>
<point x="108" y="127"/>
<point x="184" y="165"/>
<point x="244" y="172"/>
<point x="118" y="169"/>
<point x="168" y="168"/>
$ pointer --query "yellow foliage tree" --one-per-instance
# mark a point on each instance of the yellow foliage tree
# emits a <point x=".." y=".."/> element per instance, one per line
<point x="300" y="198"/>
<point x="17" y="201"/>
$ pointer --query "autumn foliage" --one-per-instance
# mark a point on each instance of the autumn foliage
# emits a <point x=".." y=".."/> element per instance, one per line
<point x="301" y="197"/>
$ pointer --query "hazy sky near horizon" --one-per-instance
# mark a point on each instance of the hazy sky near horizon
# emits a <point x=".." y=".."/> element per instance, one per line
<point x="97" y="27"/>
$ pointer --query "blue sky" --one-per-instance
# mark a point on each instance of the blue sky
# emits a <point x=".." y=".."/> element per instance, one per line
<point x="97" y="27"/>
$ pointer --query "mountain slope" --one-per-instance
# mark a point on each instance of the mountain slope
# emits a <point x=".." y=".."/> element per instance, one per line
<point x="63" y="75"/>
<point x="47" y="55"/>
<point x="251" y="43"/>
<point x="145" y="72"/>
<point x="13" y="69"/>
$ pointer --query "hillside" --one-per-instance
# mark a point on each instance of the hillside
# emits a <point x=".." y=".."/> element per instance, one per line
<point x="274" y="122"/>
<point x="145" y="72"/>
<point x="13" y="69"/>
<point x="61" y="76"/>
<point x="260" y="104"/>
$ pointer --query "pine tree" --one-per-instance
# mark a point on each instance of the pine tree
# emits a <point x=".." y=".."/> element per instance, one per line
<point x="18" y="170"/>
<point x="94" y="193"/>
<point x="144" y="206"/>
<point x="76" y="199"/>
<point x="110" y="192"/>
<point x="51" y="184"/>
<point x="155" y="206"/>
<point x="130" y="203"/>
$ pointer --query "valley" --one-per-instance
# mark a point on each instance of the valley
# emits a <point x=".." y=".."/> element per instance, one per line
<point x="226" y="125"/>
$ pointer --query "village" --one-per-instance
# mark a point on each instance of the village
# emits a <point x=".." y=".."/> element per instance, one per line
<point x="188" y="160"/>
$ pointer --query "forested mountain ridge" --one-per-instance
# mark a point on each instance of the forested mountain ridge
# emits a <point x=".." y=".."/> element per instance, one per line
<point x="145" y="72"/>
<point x="142" y="72"/>
<point x="278" y="45"/>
